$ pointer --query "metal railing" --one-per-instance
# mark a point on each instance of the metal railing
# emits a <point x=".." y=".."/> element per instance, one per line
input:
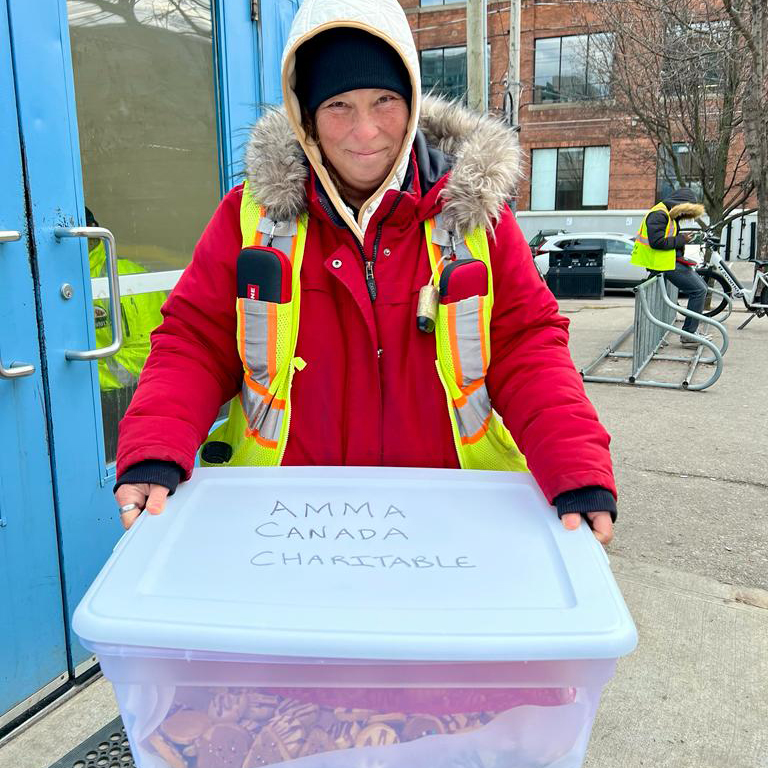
<point x="655" y="312"/>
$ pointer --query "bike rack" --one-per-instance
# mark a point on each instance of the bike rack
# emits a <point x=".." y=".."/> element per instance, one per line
<point x="655" y="313"/>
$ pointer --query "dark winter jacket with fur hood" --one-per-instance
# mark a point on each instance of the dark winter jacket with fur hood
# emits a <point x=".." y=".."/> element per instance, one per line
<point x="681" y="204"/>
<point x="370" y="393"/>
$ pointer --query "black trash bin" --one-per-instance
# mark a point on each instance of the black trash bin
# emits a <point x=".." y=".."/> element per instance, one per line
<point x="577" y="271"/>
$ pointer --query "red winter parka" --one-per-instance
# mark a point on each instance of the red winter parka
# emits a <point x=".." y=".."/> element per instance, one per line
<point x="370" y="393"/>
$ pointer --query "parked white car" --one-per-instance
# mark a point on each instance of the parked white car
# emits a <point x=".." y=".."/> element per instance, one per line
<point x="619" y="273"/>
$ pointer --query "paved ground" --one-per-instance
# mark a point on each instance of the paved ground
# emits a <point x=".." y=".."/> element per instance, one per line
<point x="691" y="556"/>
<point x="691" y="466"/>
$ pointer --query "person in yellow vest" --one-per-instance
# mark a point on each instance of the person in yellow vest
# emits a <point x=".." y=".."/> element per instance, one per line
<point x="660" y="247"/>
<point x="366" y="297"/>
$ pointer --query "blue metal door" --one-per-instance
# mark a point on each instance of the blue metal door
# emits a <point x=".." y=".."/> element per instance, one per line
<point x="129" y="116"/>
<point x="33" y="653"/>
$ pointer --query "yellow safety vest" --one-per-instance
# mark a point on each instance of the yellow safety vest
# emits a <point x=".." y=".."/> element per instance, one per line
<point x="267" y="332"/>
<point x="651" y="258"/>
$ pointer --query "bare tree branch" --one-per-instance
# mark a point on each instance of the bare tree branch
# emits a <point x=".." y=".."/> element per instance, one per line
<point x="737" y="22"/>
<point x="124" y="9"/>
<point x="676" y="70"/>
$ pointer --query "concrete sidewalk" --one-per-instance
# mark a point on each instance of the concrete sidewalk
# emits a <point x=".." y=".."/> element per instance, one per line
<point x="695" y="692"/>
<point x="690" y="554"/>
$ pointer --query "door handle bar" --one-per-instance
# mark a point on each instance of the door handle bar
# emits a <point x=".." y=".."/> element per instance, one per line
<point x="16" y="370"/>
<point x="114" y="291"/>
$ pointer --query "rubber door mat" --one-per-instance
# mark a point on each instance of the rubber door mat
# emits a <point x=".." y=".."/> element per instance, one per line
<point x="107" y="748"/>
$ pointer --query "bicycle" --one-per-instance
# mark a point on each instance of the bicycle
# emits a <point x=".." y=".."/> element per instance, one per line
<point x="755" y="298"/>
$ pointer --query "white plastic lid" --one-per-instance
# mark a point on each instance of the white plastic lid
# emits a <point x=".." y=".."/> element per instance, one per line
<point x="359" y="563"/>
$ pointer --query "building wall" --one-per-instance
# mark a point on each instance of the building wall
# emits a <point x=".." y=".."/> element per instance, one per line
<point x="443" y="26"/>
<point x="632" y="182"/>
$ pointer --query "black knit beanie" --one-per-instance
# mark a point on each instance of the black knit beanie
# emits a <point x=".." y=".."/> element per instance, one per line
<point x="343" y="59"/>
<point x="678" y="196"/>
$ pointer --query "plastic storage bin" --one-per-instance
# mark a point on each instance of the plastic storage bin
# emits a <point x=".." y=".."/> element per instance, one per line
<point x="356" y="617"/>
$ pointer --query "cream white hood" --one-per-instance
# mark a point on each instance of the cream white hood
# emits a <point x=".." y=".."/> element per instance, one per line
<point x="385" y="19"/>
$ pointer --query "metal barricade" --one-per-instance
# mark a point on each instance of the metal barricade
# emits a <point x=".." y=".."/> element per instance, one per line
<point x="655" y="311"/>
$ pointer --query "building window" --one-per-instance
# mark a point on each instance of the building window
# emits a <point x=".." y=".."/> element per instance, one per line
<point x="572" y="68"/>
<point x="687" y="174"/>
<point x="444" y="72"/>
<point x="424" y="3"/>
<point x="570" y="178"/>
<point x="698" y="55"/>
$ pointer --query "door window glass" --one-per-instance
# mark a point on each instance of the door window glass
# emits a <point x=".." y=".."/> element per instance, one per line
<point x="619" y="246"/>
<point x="144" y="89"/>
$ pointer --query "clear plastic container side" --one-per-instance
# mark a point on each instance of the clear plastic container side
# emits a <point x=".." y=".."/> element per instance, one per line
<point x="197" y="726"/>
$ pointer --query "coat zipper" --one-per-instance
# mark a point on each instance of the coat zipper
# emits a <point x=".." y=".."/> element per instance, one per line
<point x="370" y="280"/>
<point x="369" y="264"/>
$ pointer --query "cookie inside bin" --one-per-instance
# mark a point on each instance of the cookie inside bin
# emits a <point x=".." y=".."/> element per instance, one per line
<point x="250" y="728"/>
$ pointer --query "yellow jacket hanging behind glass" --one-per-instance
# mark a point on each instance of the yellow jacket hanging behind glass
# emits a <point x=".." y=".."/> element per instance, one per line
<point x="141" y="315"/>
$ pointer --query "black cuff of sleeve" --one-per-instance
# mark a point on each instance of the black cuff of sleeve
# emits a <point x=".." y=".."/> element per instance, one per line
<point x="593" y="498"/>
<point x="166" y="473"/>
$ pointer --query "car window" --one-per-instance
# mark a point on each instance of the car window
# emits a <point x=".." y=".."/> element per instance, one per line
<point x="580" y="242"/>
<point x="619" y="246"/>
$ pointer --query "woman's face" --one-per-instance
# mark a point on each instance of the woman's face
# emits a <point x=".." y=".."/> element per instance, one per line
<point x="361" y="133"/>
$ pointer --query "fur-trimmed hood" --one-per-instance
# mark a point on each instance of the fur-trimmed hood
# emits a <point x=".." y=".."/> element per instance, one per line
<point x="686" y="211"/>
<point x="683" y="204"/>
<point x="484" y="154"/>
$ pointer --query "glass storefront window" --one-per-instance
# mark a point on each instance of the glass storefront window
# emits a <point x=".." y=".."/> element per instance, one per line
<point x="146" y="112"/>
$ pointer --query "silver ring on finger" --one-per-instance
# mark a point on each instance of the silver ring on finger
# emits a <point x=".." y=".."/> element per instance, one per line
<point x="128" y="508"/>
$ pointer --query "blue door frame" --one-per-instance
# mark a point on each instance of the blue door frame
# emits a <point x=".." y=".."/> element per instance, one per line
<point x="57" y="515"/>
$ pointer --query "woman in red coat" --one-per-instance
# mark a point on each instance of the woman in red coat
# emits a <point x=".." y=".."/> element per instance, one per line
<point x="358" y="152"/>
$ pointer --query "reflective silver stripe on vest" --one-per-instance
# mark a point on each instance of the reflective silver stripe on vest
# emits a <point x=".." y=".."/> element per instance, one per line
<point x="468" y="321"/>
<point x="120" y="372"/>
<point x="449" y="242"/>
<point x="279" y="234"/>
<point x="471" y="416"/>
<point x="261" y="416"/>
<point x="256" y="324"/>
<point x="643" y="240"/>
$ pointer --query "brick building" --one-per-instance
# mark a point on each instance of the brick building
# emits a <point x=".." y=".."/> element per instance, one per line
<point x="579" y="155"/>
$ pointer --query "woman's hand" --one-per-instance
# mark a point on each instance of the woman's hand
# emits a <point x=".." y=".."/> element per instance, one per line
<point x="145" y="496"/>
<point x="600" y="523"/>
